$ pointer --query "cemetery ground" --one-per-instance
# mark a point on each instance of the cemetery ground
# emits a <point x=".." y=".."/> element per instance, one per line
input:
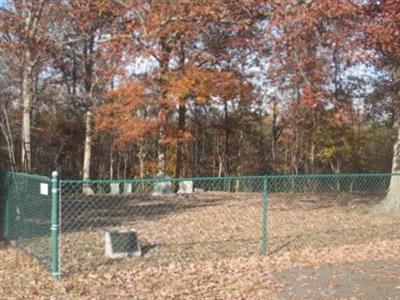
<point x="365" y="271"/>
<point x="207" y="245"/>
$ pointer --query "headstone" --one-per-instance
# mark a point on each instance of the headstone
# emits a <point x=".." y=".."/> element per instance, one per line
<point x="198" y="190"/>
<point x="114" y="188"/>
<point x="121" y="244"/>
<point x="87" y="190"/>
<point x="185" y="187"/>
<point x="162" y="187"/>
<point x="127" y="188"/>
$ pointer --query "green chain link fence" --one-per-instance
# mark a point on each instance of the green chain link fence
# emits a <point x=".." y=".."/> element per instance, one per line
<point x="182" y="220"/>
<point x="176" y="219"/>
<point x="221" y="217"/>
<point x="26" y="210"/>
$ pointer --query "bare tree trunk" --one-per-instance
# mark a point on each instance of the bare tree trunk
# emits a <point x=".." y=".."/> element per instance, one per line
<point x="275" y="134"/>
<point x="179" y="152"/>
<point x="141" y="156"/>
<point x="125" y="165"/>
<point x="32" y="15"/>
<point x="391" y="203"/>
<point x="89" y="86"/>
<point x="227" y="139"/>
<point x="396" y="153"/>
<point x="181" y="117"/>
<point x="161" y="152"/>
<point x="198" y="135"/>
<point x="119" y="165"/>
<point x="312" y="154"/>
<point x="87" y="151"/>
<point x="239" y="171"/>
<point x="295" y="159"/>
<point x="287" y="167"/>
<point x="112" y="160"/>
<point x="8" y="136"/>
<point x="214" y="157"/>
<point x="220" y="161"/>
<point x="164" y="66"/>
<point x="220" y="166"/>
<point x="27" y="96"/>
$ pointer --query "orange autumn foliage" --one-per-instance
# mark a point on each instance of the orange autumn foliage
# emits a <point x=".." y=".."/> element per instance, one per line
<point x="125" y="114"/>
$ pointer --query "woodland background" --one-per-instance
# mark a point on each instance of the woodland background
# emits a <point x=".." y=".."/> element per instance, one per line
<point x="123" y="89"/>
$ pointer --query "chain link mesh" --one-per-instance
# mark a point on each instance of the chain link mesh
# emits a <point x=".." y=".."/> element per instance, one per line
<point x="196" y="219"/>
<point x="26" y="214"/>
<point x="217" y="218"/>
<point x="331" y="210"/>
<point x="221" y="217"/>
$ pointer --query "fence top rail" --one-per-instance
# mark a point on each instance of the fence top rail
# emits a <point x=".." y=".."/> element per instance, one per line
<point x="349" y="175"/>
<point x="155" y="179"/>
<point x="268" y="177"/>
<point x="26" y="175"/>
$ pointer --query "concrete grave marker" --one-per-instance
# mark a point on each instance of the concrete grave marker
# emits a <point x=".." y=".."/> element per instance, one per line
<point x="185" y="187"/>
<point x="87" y="190"/>
<point x="162" y="188"/>
<point x="114" y="189"/>
<point x="121" y="244"/>
<point x="127" y="188"/>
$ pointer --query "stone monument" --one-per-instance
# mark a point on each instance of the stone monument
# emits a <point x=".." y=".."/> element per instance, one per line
<point x="122" y="243"/>
<point x="114" y="189"/>
<point x="185" y="187"/>
<point x="162" y="186"/>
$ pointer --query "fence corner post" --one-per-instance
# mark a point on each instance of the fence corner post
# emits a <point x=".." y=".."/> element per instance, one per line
<point x="55" y="268"/>
<point x="264" y="229"/>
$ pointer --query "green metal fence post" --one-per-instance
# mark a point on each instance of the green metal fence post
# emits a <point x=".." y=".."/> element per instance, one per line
<point x="264" y="229"/>
<point x="55" y="268"/>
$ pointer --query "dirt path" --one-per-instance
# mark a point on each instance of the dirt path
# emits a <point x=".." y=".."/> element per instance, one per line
<point x="361" y="280"/>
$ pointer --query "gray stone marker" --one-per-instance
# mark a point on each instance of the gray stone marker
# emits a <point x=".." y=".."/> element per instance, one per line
<point x="114" y="188"/>
<point x="198" y="190"/>
<point x="185" y="187"/>
<point x="121" y="243"/>
<point x="87" y="190"/>
<point x="127" y="188"/>
<point x="162" y="188"/>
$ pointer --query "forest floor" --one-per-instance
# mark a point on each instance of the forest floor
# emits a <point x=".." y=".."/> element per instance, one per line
<point x="207" y="246"/>
<point x="364" y="271"/>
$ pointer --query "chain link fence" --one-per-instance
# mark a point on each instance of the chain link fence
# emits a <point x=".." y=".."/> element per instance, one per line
<point x="214" y="218"/>
<point x="175" y="220"/>
<point x="186" y="220"/>
<point x="26" y="214"/>
<point x="330" y="210"/>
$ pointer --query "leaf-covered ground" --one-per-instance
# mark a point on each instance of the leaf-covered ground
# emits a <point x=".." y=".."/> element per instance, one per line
<point x="363" y="271"/>
<point x="206" y="246"/>
<point x="216" y="225"/>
